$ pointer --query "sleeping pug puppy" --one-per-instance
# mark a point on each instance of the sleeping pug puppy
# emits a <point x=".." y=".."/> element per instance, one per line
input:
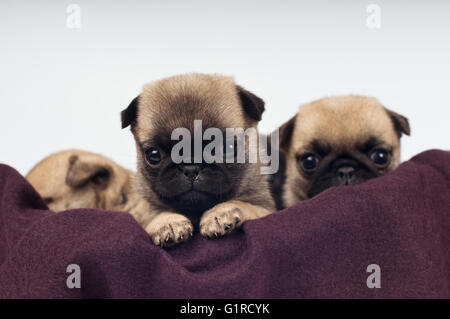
<point x="78" y="179"/>
<point x="336" y="141"/>
<point x="214" y="198"/>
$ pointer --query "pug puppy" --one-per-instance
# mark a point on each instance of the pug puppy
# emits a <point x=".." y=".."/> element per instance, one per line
<point x="78" y="179"/>
<point x="214" y="198"/>
<point x="337" y="141"/>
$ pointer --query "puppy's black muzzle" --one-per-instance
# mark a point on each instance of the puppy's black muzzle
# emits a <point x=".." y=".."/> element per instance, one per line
<point x="342" y="171"/>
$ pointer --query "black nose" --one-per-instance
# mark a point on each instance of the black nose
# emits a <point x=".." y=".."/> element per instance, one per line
<point x="346" y="174"/>
<point x="191" y="171"/>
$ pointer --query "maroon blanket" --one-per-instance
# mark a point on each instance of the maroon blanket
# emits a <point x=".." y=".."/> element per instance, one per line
<point x="318" y="248"/>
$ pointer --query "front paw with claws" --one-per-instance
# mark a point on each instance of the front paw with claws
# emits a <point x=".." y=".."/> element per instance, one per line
<point x="168" y="229"/>
<point x="221" y="220"/>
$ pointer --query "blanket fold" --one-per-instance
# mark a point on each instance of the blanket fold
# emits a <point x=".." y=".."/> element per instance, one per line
<point x="319" y="248"/>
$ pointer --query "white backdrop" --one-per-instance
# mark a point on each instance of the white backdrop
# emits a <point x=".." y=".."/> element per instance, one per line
<point x="64" y="88"/>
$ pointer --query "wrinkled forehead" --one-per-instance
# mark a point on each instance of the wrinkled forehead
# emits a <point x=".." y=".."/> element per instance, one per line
<point x="343" y="125"/>
<point x="162" y="109"/>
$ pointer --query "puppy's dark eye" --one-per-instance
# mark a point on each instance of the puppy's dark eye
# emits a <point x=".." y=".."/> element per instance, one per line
<point x="380" y="157"/>
<point x="153" y="156"/>
<point x="231" y="149"/>
<point x="309" y="162"/>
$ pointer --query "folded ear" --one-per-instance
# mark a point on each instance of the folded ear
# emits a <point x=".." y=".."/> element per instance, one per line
<point x="252" y="105"/>
<point x="401" y="123"/>
<point x="286" y="131"/>
<point x="129" y="115"/>
<point x="82" y="172"/>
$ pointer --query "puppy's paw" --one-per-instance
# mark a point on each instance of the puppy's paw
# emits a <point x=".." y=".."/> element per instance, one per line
<point x="221" y="220"/>
<point x="168" y="229"/>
